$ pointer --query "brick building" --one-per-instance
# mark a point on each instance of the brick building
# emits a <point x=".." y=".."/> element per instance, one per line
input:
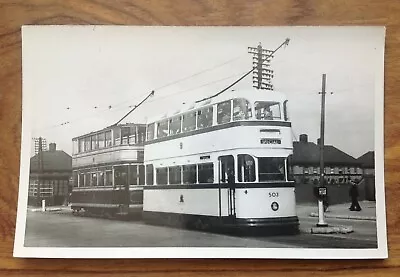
<point x="340" y="168"/>
<point x="52" y="182"/>
<point x="367" y="162"/>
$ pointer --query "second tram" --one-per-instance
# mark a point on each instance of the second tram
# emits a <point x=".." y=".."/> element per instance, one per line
<point x="108" y="171"/>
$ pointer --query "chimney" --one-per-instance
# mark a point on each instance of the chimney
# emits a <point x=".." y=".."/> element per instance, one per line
<point x="303" y="138"/>
<point x="52" y="147"/>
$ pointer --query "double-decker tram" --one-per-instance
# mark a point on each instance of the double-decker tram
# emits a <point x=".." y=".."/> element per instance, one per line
<point x="222" y="163"/>
<point x="108" y="171"/>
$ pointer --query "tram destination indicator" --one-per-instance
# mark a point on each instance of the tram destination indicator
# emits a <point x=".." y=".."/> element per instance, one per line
<point x="270" y="141"/>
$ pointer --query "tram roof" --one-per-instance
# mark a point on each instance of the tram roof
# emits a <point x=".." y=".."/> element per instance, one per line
<point x="129" y="124"/>
<point x="252" y="95"/>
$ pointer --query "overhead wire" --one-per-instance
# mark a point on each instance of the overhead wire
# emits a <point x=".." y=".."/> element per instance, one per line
<point x="112" y="106"/>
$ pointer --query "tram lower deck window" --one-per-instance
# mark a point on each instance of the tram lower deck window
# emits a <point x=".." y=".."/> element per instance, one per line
<point x="271" y="169"/>
<point x="206" y="173"/>
<point x="109" y="179"/>
<point x="175" y="175"/>
<point x="149" y="175"/>
<point x="101" y="179"/>
<point x="246" y="168"/>
<point x="162" y="176"/>
<point x="133" y="176"/>
<point x="189" y="174"/>
<point x="121" y="175"/>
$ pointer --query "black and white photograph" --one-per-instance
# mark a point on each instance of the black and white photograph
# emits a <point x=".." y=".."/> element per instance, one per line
<point x="202" y="142"/>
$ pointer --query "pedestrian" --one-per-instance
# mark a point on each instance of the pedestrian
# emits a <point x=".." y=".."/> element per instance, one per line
<point x="355" y="206"/>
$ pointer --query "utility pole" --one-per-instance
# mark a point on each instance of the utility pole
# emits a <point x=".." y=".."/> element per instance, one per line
<point x="262" y="73"/>
<point x="40" y="175"/>
<point x="322" y="191"/>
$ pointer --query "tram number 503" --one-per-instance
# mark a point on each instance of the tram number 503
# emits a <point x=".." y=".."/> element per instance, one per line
<point x="273" y="194"/>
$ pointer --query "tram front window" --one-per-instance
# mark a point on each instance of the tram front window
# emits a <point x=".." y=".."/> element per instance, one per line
<point x="271" y="169"/>
<point x="241" y="109"/>
<point x="267" y="110"/>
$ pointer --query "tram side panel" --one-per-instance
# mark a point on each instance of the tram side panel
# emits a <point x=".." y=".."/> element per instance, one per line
<point x="195" y="201"/>
<point x="272" y="202"/>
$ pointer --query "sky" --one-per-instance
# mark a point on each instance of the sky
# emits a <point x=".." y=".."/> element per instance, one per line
<point x="91" y="76"/>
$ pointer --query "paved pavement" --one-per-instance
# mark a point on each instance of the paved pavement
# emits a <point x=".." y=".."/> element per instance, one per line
<point x="340" y="211"/>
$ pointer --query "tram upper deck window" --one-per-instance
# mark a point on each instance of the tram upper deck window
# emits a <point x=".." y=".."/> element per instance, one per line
<point x="94" y="142"/>
<point x="224" y="112"/>
<point x="175" y="125"/>
<point x="81" y="145"/>
<point x="246" y="168"/>
<point x="271" y="169"/>
<point x="204" y="117"/>
<point x="162" y="129"/>
<point x="150" y="131"/>
<point x="125" y="135"/>
<point x="75" y="148"/>
<point x="267" y="110"/>
<point x="102" y="140"/>
<point x="132" y="139"/>
<point x="117" y="136"/>
<point x="141" y="132"/>
<point x="241" y="109"/>
<point x="108" y="139"/>
<point x="189" y="122"/>
<point x="87" y="144"/>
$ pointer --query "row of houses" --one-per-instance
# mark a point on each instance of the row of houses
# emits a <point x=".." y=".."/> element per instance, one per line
<point x="55" y="175"/>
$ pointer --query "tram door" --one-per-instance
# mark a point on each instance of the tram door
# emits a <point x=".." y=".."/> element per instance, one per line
<point x="227" y="176"/>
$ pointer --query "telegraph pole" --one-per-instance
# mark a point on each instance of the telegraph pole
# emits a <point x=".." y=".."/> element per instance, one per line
<point x="322" y="190"/>
<point x="40" y="157"/>
<point x="262" y="73"/>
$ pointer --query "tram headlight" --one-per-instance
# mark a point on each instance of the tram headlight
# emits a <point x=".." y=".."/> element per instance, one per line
<point x="274" y="206"/>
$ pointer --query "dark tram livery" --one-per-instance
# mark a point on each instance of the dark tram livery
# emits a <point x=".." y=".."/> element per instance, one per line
<point x="108" y="171"/>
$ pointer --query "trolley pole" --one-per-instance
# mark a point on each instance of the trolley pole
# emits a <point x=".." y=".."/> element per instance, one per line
<point x="322" y="191"/>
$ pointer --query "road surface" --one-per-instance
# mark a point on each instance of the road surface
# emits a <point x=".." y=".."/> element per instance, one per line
<point x="51" y="229"/>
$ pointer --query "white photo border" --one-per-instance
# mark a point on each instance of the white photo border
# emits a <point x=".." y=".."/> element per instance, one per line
<point x="381" y="252"/>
